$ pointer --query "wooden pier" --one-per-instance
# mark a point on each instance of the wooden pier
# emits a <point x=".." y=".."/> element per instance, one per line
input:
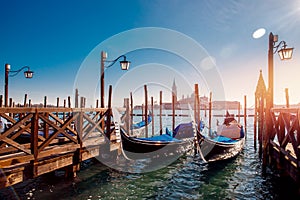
<point x="42" y="140"/>
<point x="278" y="133"/>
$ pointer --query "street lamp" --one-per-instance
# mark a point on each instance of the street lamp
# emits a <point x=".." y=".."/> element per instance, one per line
<point x="284" y="54"/>
<point x="124" y="64"/>
<point x="27" y="74"/>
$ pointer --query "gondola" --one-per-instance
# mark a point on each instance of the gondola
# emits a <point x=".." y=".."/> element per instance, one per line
<point x="172" y="143"/>
<point x="225" y="143"/>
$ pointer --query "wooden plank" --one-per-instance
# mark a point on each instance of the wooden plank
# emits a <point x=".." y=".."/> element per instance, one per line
<point x="16" y="145"/>
<point x="62" y="122"/>
<point x="94" y="126"/>
<point x="15" y="127"/>
<point x="52" y="164"/>
<point x="11" y="177"/>
<point x="60" y="130"/>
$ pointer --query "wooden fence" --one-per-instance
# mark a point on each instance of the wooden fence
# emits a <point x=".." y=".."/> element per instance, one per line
<point x="284" y="140"/>
<point x="40" y="140"/>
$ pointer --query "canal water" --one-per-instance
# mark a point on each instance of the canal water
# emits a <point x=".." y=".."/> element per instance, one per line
<point x="186" y="178"/>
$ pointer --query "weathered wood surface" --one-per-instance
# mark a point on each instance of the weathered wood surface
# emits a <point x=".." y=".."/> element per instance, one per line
<point x="41" y="140"/>
<point x="284" y="140"/>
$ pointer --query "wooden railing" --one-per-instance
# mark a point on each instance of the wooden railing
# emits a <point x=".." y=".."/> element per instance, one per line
<point x="286" y="133"/>
<point x="35" y="134"/>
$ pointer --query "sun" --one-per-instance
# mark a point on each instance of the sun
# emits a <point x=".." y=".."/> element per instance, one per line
<point x="258" y="33"/>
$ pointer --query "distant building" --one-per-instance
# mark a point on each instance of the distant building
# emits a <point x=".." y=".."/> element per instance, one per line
<point x="188" y="102"/>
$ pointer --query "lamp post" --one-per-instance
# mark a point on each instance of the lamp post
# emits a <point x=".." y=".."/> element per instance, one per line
<point x="284" y="54"/>
<point x="124" y="66"/>
<point x="27" y="74"/>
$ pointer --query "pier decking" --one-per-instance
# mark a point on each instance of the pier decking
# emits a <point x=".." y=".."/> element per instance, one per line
<point x="41" y="140"/>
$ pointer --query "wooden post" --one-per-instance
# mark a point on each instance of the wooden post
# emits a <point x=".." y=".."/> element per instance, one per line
<point x="131" y="111"/>
<point x="1" y="100"/>
<point x="127" y="113"/>
<point x="268" y="129"/>
<point x="45" y="101"/>
<point x="82" y="102"/>
<point x="287" y="97"/>
<point x="25" y="100"/>
<point x="108" y="121"/>
<point x="10" y="102"/>
<point x="46" y="126"/>
<point x="239" y="112"/>
<point x="146" y="110"/>
<point x="255" y="122"/>
<point x="7" y="68"/>
<point x="245" y="115"/>
<point x="143" y="114"/>
<point x="77" y="158"/>
<point x="69" y="102"/>
<point x="152" y="115"/>
<point x="64" y="114"/>
<point x="29" y="103"/>
<point x="10" y="105"/>
<point x="160" y="112"/>
<point x="97" y="103"/>
<point x="57" y="105"/>
<point x="34" y="142"/>
<point x="69" y="105"/>
<point x="261" y="124"/>
<point x="76" y="98"/>
<point x="173" y="111"/>
<point x="196" y="96"/>
<point x="199" y="106"/>
<point x="103" y="58"/>
<point x="209" y="112"/>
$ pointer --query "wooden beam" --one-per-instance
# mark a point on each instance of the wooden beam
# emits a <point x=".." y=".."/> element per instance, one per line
<point x="146" y="110"/>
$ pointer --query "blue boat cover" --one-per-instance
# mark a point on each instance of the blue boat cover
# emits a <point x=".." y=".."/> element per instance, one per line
<point x="224" y="139"/>
<point x="141" y="123"/>
<point x="163" y="137"/>
<point x="184" y="130"/>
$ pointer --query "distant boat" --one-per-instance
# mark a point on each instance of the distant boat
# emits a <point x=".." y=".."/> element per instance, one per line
<point x="227" y="142"/>
<point x="168" y="144"/>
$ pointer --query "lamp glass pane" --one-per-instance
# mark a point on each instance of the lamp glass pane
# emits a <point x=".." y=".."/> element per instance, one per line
<point x="28" y="74"/>
<point x="285" y="54"/>
<point x="124" y="65"/>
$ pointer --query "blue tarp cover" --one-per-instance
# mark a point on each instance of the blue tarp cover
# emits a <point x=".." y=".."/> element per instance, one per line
<point x="224" y="139"/>
<point x="163" y="137"/>
<point x="141" y="123"/>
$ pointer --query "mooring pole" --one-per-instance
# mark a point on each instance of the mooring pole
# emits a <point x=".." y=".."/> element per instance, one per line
<point x="131" y="111"/>
<point x="160" y="112"/>
<point x="209" y="114"/>
<point x="245" y="115"/>
<point x="152" y="115"/>
<point x="146" y="110"/>
<point x="287" y="97"/>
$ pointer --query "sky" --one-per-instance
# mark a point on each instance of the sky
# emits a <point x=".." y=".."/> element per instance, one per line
<point x="208" y="42"/>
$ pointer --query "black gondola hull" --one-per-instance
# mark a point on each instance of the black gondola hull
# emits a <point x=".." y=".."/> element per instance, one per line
<point x="215" y="151"/>
<point x="136" y="148"/>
